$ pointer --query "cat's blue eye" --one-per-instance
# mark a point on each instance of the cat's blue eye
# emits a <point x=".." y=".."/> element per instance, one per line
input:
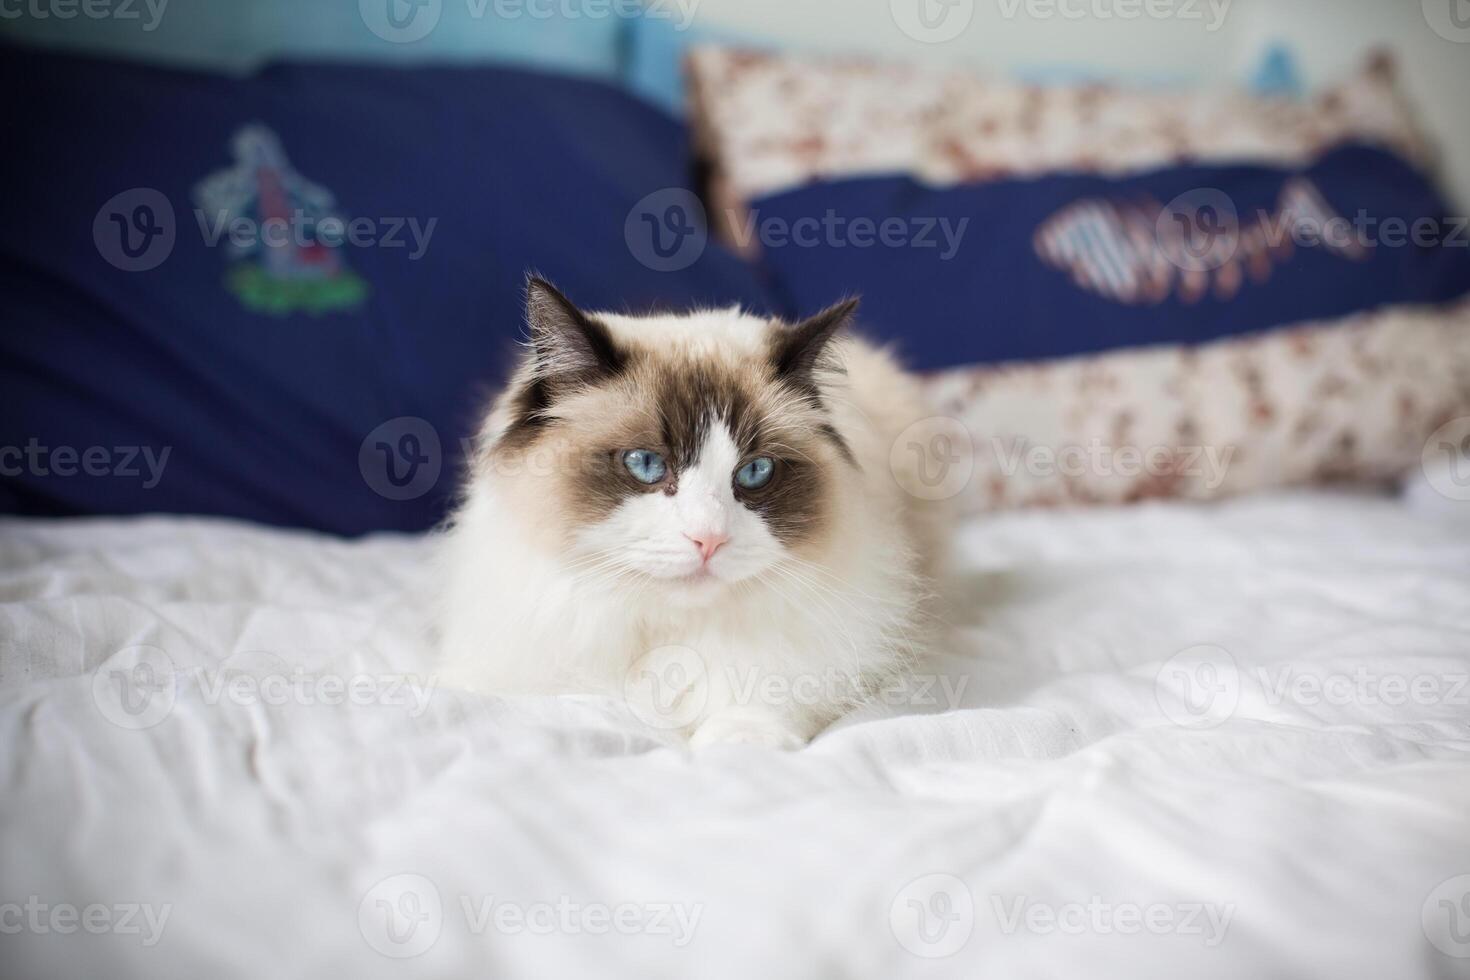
<point x="646" y="465"/>
<point x="756" y="473"/>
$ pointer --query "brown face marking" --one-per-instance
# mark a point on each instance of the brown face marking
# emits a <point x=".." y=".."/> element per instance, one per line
<point x="607" y="400"/>
<point x="692" y="399"/>
<point x="792" y="504"/>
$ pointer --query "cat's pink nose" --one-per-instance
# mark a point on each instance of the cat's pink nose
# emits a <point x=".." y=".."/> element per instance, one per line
<point x="708" y="542"/>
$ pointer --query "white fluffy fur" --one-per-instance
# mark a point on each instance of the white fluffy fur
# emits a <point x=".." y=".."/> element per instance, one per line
<point x="762" y="646"/>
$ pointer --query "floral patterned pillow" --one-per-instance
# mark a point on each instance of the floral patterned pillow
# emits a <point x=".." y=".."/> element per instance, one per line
<point x="1351" y="399"/>
<point x="771" y="122"/>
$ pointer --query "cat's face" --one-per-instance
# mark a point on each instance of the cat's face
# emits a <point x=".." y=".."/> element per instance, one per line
<point x="688" y="454"/>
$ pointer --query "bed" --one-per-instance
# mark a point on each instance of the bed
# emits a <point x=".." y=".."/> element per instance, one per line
<point x="1172" y="739"/>
<point x="1182" y="721"/>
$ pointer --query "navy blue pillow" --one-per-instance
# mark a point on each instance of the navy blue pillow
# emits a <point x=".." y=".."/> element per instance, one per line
<point x="324" y="370"/>
<point x="1072" y="264"/>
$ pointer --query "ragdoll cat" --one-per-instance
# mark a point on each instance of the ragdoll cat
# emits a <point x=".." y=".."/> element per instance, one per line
<point x="702" y="513"/>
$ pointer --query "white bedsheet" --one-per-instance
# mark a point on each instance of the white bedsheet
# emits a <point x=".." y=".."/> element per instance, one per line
<point x="1056" y="823"/>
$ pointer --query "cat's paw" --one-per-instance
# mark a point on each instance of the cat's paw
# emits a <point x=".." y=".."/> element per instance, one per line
<point x="735" y="728"/>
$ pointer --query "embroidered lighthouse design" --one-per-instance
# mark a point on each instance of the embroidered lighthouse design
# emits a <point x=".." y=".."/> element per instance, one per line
<point x="286" y="253"/>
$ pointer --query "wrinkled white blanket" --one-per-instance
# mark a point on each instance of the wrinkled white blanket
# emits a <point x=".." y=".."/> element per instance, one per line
<point x="1169" y="741"/>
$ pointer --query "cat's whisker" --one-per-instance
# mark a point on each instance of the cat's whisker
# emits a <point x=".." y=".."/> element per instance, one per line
<point x="846" y="585"/>
<point x="837" y="622"/>
<point x="895" y="623"/>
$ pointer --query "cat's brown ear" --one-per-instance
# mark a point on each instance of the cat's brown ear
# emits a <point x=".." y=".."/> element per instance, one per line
<point x="797" y="349"/>
<point x="567" y="345"/>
